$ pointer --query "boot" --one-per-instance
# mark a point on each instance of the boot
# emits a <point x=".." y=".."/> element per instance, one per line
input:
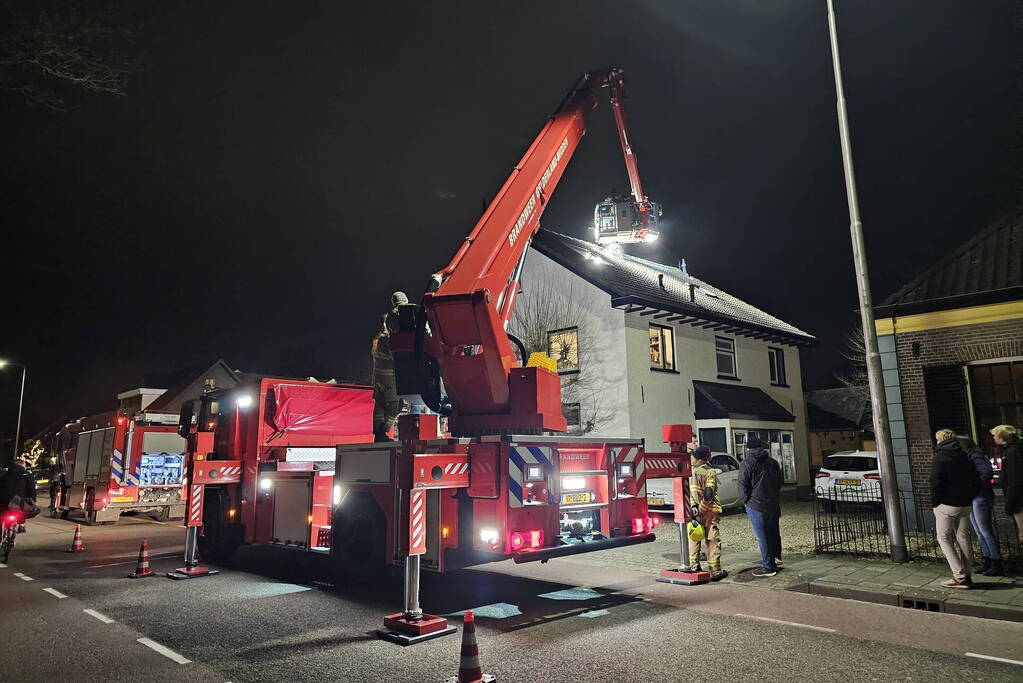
<point x="985" y="565"/>
<point x="995" y="568"/>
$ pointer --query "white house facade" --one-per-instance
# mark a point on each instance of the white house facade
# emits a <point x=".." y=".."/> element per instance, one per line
<point x="651" y="345"/>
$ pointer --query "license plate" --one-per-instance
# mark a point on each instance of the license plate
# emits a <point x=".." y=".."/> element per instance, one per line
<point x="122" y="499"/>
<point x="655" y="501"/>
<point x="849" y="482"/>
<point x="574" y="498"/>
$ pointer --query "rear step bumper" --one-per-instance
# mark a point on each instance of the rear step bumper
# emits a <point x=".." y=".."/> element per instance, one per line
<point x="545" y="554"/>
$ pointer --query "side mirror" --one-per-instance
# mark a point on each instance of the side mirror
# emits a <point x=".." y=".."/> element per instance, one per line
<point x="185" y="419"/>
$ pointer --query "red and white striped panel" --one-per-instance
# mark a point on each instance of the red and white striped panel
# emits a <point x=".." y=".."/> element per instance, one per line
<point x="440" y="470"/>
<point x="217" y="472"/>
<point x="665" y="465"/>
<point x="417" y="522"/>
<point x="633" y="454"/>
<point x="195" y="495"/>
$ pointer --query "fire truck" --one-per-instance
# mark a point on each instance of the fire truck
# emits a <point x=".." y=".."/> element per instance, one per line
<point x="115" y="464"/>
<point x="502" y="482"/>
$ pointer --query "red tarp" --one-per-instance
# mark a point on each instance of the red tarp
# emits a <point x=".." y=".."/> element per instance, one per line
<point x="322" y="411"/>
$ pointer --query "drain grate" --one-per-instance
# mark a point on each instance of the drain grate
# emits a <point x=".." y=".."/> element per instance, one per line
<point x="926" y="605"/>
<point x="922" y="600"/>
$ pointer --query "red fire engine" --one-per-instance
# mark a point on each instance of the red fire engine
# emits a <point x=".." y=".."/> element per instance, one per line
<point x="504" y="485"/>
<point x="114" y="464"/>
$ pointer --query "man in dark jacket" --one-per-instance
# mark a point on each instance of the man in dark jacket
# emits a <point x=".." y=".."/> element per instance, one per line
<point x="954" y="484"/>
<point x="1007" y="437"/>
<point x="16" y="482"/>
<point x="760" y="492"/>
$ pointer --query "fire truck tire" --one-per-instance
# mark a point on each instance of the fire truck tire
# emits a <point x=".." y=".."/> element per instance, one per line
<point x="358" y="542"/>
<point x="163" y="514"/>
<point x="217" y="542"/>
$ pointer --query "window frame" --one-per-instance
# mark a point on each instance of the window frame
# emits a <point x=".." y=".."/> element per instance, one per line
<point x="776" y="365"/>
<point x="550" y="349"/>
<point x="734" y="356"/>
<point x="670" y="337"/>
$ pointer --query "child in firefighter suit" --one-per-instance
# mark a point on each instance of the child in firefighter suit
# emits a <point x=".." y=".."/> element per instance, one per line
<point x="703" y="498"/>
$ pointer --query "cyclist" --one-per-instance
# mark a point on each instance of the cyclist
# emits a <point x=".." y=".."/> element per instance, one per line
<point x="17" y="483"/>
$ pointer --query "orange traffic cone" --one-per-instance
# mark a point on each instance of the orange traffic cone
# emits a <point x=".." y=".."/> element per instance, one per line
<point x="76" y="544"/>
<point x="142" y="566"/>
<point x="469" y="670"/>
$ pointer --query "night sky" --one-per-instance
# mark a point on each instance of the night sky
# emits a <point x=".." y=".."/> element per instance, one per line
<point x="276" y="170"/>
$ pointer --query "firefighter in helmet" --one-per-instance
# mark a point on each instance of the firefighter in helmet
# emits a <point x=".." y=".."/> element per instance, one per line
<point x="703" y="497"/>
<point x="386" y="402"/>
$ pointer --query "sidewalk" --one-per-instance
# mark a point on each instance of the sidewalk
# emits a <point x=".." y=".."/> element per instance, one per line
<point x="912" y="584"/>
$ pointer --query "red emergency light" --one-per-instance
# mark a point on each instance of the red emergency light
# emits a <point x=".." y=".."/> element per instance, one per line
<point x="519" y="540"/>
<point x="642" y="525"/>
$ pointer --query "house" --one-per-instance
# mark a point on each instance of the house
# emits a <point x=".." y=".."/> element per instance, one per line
<point x="178" y="388"/>
<point x="640" y="344"/>
<point x="951" y="344"/>
<point x="838" y="420"/>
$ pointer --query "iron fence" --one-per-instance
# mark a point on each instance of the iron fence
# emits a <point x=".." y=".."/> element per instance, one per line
<point x="852" y="522"/>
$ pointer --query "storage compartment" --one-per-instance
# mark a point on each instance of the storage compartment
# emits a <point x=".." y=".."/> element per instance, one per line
<point x="323" y="504"/>
<point x="292" y="504"/>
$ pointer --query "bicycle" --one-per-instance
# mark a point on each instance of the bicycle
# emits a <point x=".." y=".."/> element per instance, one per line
<point x="11" y="521"/>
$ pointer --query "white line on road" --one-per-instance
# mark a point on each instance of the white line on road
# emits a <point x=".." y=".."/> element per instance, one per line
<point x="788" y="623"/>
<point x="165" y="651"/>
<point x="994" y="659"/>
<point x="3" y="566"/>
<point x="55" y="593"/>
<point x="23" y="577"/>
<point x="99" y="615"/>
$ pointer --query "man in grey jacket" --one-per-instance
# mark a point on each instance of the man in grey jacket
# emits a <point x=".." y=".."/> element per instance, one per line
<point x="760" y="492"/>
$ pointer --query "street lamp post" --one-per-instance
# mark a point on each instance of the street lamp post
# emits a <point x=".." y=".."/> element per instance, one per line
<point x="889" y="485"/>
<point x="21" y="401"/>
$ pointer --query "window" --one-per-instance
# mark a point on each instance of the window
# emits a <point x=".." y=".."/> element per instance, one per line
<point x="715" y="439"/>
<point x="996" y="391"/>
<point x="725" y="349"/>
<point x="571" y="412"/>
<point x="662" y="348"/>
<point x="776" y="359"/>
<point x="563" y="346"/>
<point x="725" y="463"/>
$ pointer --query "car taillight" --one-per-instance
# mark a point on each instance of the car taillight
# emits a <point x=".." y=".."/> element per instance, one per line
<point x="822" y="473"/>
<point x="876" y="476"/>
<point x="642" y="525"/>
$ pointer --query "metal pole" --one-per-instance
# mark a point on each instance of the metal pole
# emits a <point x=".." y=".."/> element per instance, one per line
<point x="889" y="485"/>
<point x="191" y="544"/>
<point x="21" y="401"/>
<point x="413" y="612"/>
<point x="683" y="541"/>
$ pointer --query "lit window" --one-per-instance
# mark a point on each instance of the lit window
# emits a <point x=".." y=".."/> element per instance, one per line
<point x="563" y="346"/>
<point x="776" y="358"/>
<point x="725" y="349"/>
<point x="662" y="347"/>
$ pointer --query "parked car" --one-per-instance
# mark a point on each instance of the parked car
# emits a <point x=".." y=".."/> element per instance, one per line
<point x="660" y="496"/>
<point x="849" y="476"/>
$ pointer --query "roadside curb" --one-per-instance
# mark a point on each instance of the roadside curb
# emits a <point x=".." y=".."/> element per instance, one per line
<point x="924" y="600"/>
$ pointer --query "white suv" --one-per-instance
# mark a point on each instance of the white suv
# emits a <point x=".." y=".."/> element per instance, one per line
<point x="849" y="476"/>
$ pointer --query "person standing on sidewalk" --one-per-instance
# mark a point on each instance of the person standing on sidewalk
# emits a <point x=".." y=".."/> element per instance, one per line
<point x="1007" y="437"/>
<point x="980" y="514"/>
<point x="760" y="492"/>
<point x="954" y="485"/>
<point x="703" y="497"/>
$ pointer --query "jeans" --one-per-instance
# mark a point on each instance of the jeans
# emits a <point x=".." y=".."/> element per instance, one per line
<point x="980" y="518"/>
<point x="768" y="533"/>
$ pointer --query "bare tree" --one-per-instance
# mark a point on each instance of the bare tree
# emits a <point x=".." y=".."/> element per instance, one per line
<point x="854" y="375"/>
<point x="52" y="49"/>
<point x="555" y="308"/>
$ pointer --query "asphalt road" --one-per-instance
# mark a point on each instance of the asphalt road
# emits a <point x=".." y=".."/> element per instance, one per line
<point x="271" y="615"/>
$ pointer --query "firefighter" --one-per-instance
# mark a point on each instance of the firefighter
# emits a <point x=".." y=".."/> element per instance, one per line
<point x="386" y="404"/>
<point x="703" y="496"/>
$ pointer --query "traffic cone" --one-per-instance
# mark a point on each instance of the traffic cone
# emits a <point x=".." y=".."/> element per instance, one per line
<point x="469" y="670"/>
<point x="76" y="543"/>
<point x="142" y="566"/>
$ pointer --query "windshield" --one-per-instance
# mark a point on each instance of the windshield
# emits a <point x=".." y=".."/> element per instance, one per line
<point x="723" y="462"/>
<point x="850" y="463"/>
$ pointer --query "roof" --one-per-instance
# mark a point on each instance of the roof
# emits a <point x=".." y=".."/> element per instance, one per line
<point x="179" y="382"/>
<point x="986" y="269"/>
<point x="838" y="408"/>
<point x="717" y="401"/>
<point x="664" y="292"/>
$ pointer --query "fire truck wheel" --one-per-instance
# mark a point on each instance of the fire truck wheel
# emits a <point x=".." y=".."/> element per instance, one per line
<point x="359" y="543"/>
<point x="163" y="514"/>
<point x="90" y="517"/>
<point x="54" y="513"/>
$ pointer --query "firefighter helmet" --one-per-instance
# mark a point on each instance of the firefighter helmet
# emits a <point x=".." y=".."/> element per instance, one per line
<point x="695" y="531"/>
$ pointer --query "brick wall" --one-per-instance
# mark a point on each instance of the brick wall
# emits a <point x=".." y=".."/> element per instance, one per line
<point x="963" y="344"/>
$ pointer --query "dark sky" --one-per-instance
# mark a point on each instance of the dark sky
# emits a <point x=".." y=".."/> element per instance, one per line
<point x="277" y="169"/>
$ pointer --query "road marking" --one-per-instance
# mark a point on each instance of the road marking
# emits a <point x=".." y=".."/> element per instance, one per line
<point x="99" y="615"/>
<point x="3" y="566"/>
<point x="23" y="577"/>
<point x="994" y="659"/>
<point x="788" y="623"/>
<point x="55" y="593"/>
<point x="117" y="564"/>
<point x="165" y="651"/>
